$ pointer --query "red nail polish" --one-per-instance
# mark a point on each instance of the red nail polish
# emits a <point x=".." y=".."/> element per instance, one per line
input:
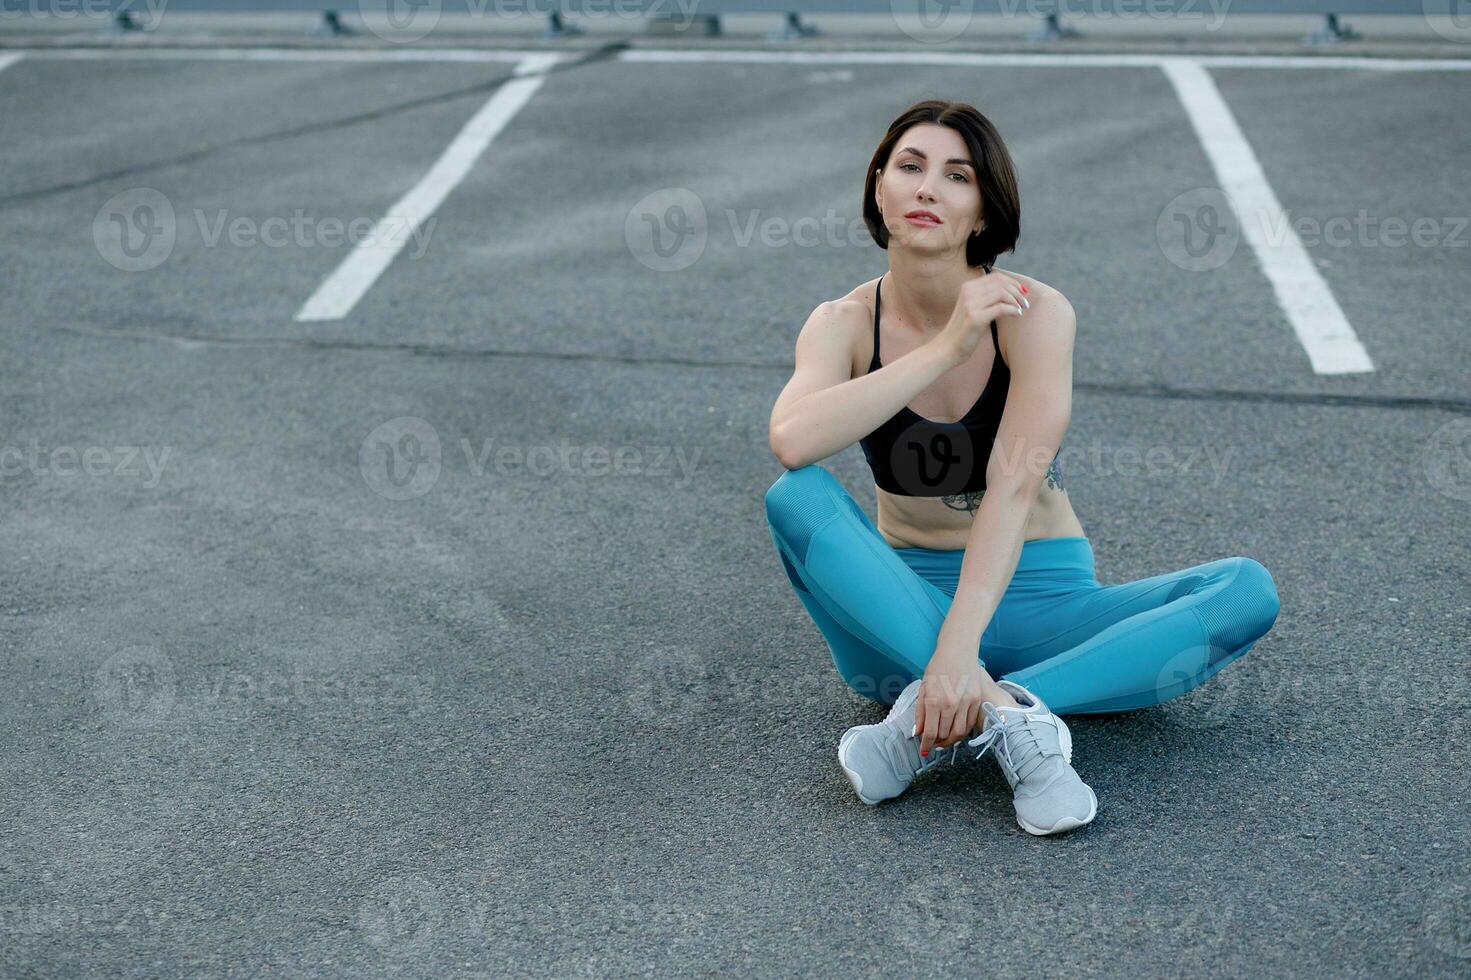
<point x="1024" y="289"/>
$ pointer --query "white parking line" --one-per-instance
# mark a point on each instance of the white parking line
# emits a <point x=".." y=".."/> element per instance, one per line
<point x="340" y="292"/>
<point x="6" y="60"/>
<point x="1332" y="345"/>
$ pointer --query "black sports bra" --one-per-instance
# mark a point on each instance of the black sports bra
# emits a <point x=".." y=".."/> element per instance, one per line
<point x="913" y="456"/>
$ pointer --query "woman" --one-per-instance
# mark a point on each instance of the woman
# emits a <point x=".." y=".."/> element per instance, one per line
<point x="971" y="605"/>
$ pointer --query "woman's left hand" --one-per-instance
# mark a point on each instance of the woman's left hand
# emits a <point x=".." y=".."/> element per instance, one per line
<point x="949" y="696"/>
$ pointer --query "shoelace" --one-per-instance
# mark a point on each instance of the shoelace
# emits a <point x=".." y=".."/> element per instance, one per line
<point x="935" y="757"/>
<point x="1014" y="738"/>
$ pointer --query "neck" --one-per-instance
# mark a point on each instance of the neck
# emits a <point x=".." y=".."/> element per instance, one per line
<point x="923" y="290"/>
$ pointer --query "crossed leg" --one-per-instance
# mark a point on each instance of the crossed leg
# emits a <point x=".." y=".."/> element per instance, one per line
<point x="1080" y="646"/>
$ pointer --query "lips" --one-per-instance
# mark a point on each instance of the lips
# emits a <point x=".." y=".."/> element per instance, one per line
<point x="925" y="216"/>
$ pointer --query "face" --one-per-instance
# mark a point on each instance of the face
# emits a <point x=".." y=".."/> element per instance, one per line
<point x="920" y="176"/>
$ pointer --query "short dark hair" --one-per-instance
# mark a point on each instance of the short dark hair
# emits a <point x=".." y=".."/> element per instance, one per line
<point x="995" y="174"/>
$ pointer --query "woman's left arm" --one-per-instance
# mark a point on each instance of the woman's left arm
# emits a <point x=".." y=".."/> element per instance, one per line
<point x="1039" y="405"/>
<point x="1038" y="408"/>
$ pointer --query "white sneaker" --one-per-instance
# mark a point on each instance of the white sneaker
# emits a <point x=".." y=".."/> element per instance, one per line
<point x="882" y="760"/>
<point x="1034" y="750"/>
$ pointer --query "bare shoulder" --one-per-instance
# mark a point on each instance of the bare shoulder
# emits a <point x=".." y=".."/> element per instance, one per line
<point x="834" y="336"/>
<point x="1045" y="329"/>
<point x="850" y="317"/>
<point x="856" y="305"/>
<point x="1045" y="298"/>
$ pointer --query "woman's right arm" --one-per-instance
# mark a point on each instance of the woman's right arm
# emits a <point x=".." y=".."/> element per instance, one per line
<point x="823" y="409"/>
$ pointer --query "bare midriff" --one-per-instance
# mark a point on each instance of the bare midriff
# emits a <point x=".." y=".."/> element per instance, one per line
<point x="944" y="523"/>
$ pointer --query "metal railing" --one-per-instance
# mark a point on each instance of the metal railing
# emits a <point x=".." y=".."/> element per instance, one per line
<point x="1051" y="16"/>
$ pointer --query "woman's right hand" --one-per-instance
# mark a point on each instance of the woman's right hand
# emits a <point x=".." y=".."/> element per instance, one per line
<point x="982" y="300"/>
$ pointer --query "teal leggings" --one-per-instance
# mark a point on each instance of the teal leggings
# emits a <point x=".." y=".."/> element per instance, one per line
<point x="1082" y="647"/>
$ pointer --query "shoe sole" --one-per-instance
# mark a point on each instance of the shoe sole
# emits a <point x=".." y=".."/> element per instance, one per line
<point x="853" y="777"/>
<point x="1066" y="823"/>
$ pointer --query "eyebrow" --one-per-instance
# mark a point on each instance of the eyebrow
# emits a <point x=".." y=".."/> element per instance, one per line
<point x="921" y="155"/>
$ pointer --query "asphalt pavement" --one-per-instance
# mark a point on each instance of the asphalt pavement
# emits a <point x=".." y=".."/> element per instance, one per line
<point x="445" y="637"/>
